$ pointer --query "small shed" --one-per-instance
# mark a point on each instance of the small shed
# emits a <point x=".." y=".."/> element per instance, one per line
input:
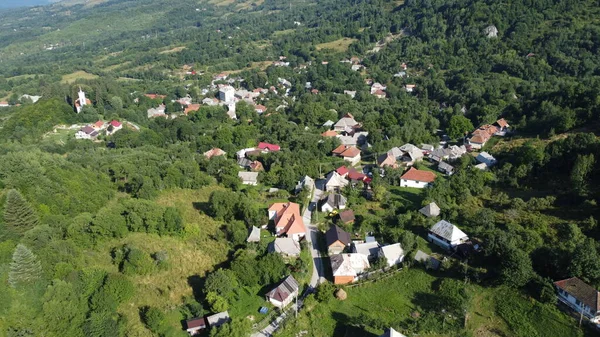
<point x="254" y="235"/>
<point x="346" y="217"/>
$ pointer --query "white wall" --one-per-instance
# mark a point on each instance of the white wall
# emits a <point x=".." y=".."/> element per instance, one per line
<point x="412" y="183"/>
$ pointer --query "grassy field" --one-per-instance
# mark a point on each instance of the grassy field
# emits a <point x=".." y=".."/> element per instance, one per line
<point x="190" y="258"/>
<point x="78" y="75"/>
<point x="340" y="45"/>
<point x="389" y="302"/>
<point x="173" y="50"/>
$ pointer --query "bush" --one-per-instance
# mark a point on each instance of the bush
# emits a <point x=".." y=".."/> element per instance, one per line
<point x="153" y="318"/>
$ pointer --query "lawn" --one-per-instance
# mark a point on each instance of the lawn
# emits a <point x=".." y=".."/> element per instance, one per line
<point x="340" y="45"/>
<point x="78" y="75"/>
<point x="369" y="308"/>
<point x="410" y="197"/>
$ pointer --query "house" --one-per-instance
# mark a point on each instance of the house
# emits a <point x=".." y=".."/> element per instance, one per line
<point x="377" y="87"/>
<point x="256" y="166"/>
<point x="81" y="101"/>
<point x="410" y="87"/>
<point x="33" y="98"/>
<point x="220" y="77"/>
<point x="248" y="178"/>
<point x="260" y="109"/>
<point x="503" y="126"/>
<point x="410" y="154"/>
<point x="346" y="267"/>
<point x="351" y="93"/>
<point x="486" y="159"/>
<point x="98" y="126"/>
<point x="285" y="246"/>
<point x="231" y="110"/>
<point x="427" y="148"/>
<point x="329" y="133"/>
<point x="113" y="127"/>
<point x="446" y="235"/>
<point x="217" y="320"/>
<point x="431" y="210"/>
<point x="350" y="153"/>
<point x="210" y="101"/>
<point x="581" y="297"/>
<point x="226" y="93"/>
<point x="254" y="235"/>
<point x="194" y="325"/>
<point x="480" y="136"/>
<point x="267" y="147"/>
<point x="337" y="240"/>
<point x="328" y="124"/>
<point x="4" y="104"/>
<point x="429" y="261"/>
<point x="417" y="178"/>
<point x="393" y="254"/>
<point x="368" y="249"/>
<point x="445" y="168"/>
<point x="346" y="123"/>
<point x="191" y="108"/>
<point x="379" y="94"/>
<point x="335" y="182"/>
<point x="353" y="138"/>
<point x="214" y="152"/>
<point x="332" y="201"/>
<point x="354" y="176"/>
<point x="157" y="112"/>
<point x="287" y="219"/>
<point x="306" y="182"/>
<point x="284" y="293"/>
<point x="155" y="96"/>
<point x="387" y="159"/>
<point x="392" y="333"/>
<point x="481" y="166"/>
<point x="87" y="132"/>
<point x="346" y="217"/>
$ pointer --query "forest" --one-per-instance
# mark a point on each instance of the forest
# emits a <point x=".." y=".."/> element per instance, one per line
<point x="134" y="233"/>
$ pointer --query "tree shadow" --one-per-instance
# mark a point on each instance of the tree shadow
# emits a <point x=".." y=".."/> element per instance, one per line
<point x="197" y="284"/>
<point x="351" y="326"/>
<point x="203" y="207"/>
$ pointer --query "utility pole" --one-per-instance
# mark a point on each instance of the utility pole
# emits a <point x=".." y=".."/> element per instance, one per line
<point x="581" y="316"/>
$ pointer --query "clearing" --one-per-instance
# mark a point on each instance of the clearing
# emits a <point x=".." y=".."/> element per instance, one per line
<point x="78" y="75"/>
<point x="173" y="50"/>
<point x="340" y="45"/>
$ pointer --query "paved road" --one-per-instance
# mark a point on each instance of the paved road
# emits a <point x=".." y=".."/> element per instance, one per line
<point x="318" y="274"/>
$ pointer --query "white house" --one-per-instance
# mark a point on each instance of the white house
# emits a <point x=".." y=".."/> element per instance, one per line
<point x="392" y="333"/>
<point x="113" y="127"/>
<point x="346" y="123"/>
<point x="335" y="182"/>
<point x="446" y="235"/>
<point x="368" y="249"/>
<point x="226" y="93"/>
<point x="284" y="293"/>
<point x="393" y="254"/>
<point x="417" y="178"/>
<point x="248" y="178"/>
<point x="346" y="267"/>
<point x="486" y="159"/>
<point x="195" y="325"/>
<point x="87" y="132"/>
<point x="580" y="297"/>
<point x="333" y="201"/>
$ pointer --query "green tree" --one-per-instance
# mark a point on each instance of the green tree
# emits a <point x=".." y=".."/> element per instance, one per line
<point x="153" y="318"/>
<point x="24" y="268"/>
<point x="581" y="169"/>
<point x="458" y="126"/>
<point x="216" y="302"/>
<point x="515" y="267"/>
<point x="222" y="282"/>
<point x="19" y="216"/>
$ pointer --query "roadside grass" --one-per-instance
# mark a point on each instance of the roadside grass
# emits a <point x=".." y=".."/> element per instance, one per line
<point x="78" y="75"/>
<point x="340" y="45"/>
<point x="389" y="302"/>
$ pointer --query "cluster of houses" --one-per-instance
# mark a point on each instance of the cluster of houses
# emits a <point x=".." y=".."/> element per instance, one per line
<point x="92" y="131"/>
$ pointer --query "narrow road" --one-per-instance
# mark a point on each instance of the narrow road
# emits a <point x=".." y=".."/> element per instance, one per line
<point x="318" y="274"/>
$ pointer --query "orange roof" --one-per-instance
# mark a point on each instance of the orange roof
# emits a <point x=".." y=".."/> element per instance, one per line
<point x="329" y="133"/>
<point x="351" y="152"/>
<point x="418" y="175"/>
<point x="155" y="96"/>
<point x="256" y="166"/>
<point x="339" y="150"/>
<point x="502" y="122"/>
<point x="214" y="152"/>
<point x="87" y="102"/>
<point x="191" y="107"/>
<point x="99" y="124"/>
<point x="288" y="218"/>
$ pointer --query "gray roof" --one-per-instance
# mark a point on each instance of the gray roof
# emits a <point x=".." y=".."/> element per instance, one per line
<point x="445" y="167"/>
<point x="430" y="210"/>
<point x="244" y="162"/>
<point x="448" y="231"/>
<point x="218" y="319"/>
<point x="335" y="200"/>
<point x="369" y="249"/>
<point x="335" y="233"/>
<point x="392" y="252"/>
<point x="287" y="287"/>
<point x="286" y="246"/>
<point x="431" y="262"/>
<point x="248" y="176"/>
<point x="254" y="235"/>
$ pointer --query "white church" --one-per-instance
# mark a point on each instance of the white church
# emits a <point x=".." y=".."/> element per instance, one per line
<point x="81" y="101"/>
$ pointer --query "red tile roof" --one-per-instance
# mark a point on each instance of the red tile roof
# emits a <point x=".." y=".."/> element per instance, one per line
<point x="98" y="124"/>
<point x="116" y="124"/>
<point x="329" y="133"/>
<point x="418" y="175"/>
<point x="155" y="96"/>
<point x="191" y="107"/>
<point x="196" y="323"/>
<point x="268" y="146"/>
<point x="355" y="175"/>
<point x="288" y="218"/>
<point x="346" y="151"/>
<point x="256" y="166"/>
<point x="502" y="122"/>
<point x="214" y="152"/>
<point x="342" y="170"/>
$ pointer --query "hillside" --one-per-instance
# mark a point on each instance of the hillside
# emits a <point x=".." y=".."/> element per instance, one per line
<point x="142" y="141"/>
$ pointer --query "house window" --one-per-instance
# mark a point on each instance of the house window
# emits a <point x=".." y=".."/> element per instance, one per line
<point x="577" y="302"/>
